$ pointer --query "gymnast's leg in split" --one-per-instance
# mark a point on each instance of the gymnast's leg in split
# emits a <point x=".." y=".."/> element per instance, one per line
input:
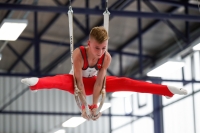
<point x="113" y="84"/>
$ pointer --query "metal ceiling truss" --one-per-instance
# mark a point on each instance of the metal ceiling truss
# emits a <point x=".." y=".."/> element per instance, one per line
<point x="97" y="11"/>
<point x="184" y="37"/>
<point x="88" y="11"/>
<point x="178" y="34"/>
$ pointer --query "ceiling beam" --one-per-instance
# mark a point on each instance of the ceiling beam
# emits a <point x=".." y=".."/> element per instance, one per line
<point x="68" y="45"/>
<point x="87" y="18"/>
<point x="140" y="43"/>
<point x="36" y="45"/>
<point x="63" y="9"/>
<point x="45" y="41"/>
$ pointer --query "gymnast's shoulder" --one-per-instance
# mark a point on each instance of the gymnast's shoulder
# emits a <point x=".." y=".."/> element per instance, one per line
<point x="107" y="59"/>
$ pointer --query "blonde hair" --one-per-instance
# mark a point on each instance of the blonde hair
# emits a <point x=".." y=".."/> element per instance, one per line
<point x="99" y="34"/>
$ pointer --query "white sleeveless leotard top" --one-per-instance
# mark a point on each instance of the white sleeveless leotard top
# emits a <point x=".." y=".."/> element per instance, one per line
<point x="88" y="71"/>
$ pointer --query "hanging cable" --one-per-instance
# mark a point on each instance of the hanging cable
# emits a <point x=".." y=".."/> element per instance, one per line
<point x="70" y="3"/>
<point x="103" y="91"/>
<point x="77" y="93"/>
<point x="106" y="17"/>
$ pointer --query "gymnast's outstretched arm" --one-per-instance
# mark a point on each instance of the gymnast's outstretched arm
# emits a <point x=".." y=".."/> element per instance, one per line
<point x="100" y="77"/>
<point x="99" y="80"/>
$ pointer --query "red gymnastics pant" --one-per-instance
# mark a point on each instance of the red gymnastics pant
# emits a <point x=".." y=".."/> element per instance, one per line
<point x="113" y="84"/>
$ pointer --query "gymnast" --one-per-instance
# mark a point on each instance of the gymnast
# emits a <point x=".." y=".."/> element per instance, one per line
<point x="90" y="65"/>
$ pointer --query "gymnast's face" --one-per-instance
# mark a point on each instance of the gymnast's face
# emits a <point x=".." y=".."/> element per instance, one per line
<point x="97" y="49"/>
